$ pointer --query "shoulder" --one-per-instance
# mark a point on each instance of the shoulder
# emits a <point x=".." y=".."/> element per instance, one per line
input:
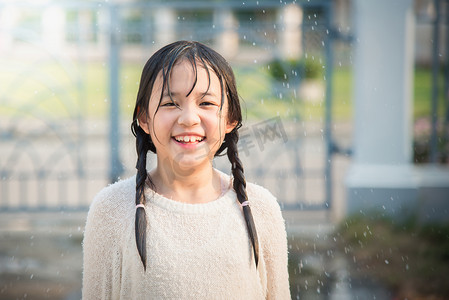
<point x="260" y="196"/>
<point x="114" y="201"/>
<point x="269" y="221"/>
<point x="258" y="190"/>
<point x="262" y="202"/>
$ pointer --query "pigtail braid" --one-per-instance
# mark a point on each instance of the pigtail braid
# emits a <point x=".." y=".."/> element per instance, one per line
<point x="239" y="184"/>
<point x="142" y="146"/>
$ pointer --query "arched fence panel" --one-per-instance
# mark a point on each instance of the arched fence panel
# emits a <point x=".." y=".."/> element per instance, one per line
<point x="70" y="75"/>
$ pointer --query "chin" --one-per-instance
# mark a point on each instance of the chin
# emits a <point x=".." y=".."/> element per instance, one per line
<point x="187" y="166"/>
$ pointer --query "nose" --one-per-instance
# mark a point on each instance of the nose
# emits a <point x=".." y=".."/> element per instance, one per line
<point x="188" y="116"/>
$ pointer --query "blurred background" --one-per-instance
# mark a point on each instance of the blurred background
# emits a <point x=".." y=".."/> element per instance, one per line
<point x="346" y="121"/>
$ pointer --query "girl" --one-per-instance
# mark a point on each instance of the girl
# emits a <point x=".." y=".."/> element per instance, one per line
<point x="185" y="230"/>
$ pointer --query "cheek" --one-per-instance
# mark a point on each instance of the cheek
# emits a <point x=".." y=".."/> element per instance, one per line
<point x="164" y="118"/>
<point x="213" y="120"/>
<point x="161" y="125"/>
<point x="217" y="124"/>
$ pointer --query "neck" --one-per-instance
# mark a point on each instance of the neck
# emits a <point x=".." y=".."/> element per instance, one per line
<point x="194" y="185"/>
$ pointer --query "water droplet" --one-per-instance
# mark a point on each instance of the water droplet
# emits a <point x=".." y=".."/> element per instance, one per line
<point x="387" y="262"/>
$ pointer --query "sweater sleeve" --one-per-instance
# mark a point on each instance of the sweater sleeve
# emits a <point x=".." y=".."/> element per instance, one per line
<point x="101" y="253"/>
<point x="277" y="257"/>
<point x="273" y="242"/>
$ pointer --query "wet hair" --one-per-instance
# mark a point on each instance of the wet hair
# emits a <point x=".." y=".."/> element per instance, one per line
<point x="162" y="62"/>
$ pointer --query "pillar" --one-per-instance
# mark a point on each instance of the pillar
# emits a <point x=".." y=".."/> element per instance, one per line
<point x="102" y="27"/>
<point x="8" y="20"/>
<point x="290" y="37"/>
<point x="382" y="177"/>
<point x="53" y="28"/>
<point x="165" y="25"/>
<point x="227" y="41"/>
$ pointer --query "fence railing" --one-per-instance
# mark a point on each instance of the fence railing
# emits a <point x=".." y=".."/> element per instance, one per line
<point x="68" y="65"/>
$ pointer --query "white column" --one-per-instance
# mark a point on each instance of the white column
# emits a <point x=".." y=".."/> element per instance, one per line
<point x="227" y="41"/>
<point x="290" y="18"/>
<point x="53" y="28"/>
<point x="382" y="175"/>
<point x="165" y="23"/>
<point x="342" y="14"/>
<point x="8" y="19"/>
<point x="103" y="25"/>
<point x="85" y="25"/>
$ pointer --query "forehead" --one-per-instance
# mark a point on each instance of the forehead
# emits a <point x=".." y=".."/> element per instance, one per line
<point x="186" y="77"/>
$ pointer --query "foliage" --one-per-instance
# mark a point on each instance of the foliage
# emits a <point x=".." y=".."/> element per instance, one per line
<point x="410" y="258"/>
<point x="423" y="93"/>
<point x="294" y="69"/>
<point x="422" y="141"/>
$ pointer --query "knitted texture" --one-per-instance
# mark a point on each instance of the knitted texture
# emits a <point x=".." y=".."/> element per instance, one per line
<point x="194" y="251"/>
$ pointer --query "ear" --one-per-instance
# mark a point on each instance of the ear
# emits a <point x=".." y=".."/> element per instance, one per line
<point x="230" y="126"/>
<point x="144" y="123"/>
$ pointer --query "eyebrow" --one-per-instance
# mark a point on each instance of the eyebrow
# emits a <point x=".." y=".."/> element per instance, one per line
<point x="175" y="94"/>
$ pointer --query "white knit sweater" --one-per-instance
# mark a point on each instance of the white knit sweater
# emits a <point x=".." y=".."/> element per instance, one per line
<point x="194" y="251"/>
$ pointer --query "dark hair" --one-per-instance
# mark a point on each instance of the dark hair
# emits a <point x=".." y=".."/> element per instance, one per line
<point x="162" y="62"/>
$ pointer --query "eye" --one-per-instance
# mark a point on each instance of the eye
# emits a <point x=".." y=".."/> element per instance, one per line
<point x="207" y="103"/>
<point x="168" y="104"/>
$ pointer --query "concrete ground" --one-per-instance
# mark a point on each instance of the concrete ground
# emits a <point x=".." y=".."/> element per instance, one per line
<point x="41" y="255"/>
<point x="41" y="258"/>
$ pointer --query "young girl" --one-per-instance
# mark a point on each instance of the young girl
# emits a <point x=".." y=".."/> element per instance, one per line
<point x="185" y="230"/>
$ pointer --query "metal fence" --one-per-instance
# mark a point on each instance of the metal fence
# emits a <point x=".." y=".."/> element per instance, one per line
<point x="433" y="34"/>
<point x="66" y="95"/>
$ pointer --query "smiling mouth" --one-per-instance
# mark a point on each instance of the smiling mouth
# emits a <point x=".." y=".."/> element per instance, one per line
<point x="189" y="139"/>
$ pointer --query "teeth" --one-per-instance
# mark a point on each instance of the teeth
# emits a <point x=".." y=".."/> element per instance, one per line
<point x="188" y="139"/>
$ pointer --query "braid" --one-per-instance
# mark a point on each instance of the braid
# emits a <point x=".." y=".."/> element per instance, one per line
<point x="142" y="147"/>
<point x="239" y="185"/>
